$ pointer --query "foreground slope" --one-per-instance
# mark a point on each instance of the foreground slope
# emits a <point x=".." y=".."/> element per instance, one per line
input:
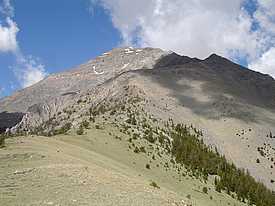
<point x="94" y="169"/>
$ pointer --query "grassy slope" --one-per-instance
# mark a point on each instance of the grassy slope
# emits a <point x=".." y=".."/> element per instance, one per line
<point x="93" y="169"/>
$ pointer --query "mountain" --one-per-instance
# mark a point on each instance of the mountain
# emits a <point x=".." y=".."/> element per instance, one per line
<point x="232" y="106"/>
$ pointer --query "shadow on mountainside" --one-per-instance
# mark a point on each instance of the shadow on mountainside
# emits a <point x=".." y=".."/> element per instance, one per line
<point x="215" y="87"/>
<point x="8" y="120"/>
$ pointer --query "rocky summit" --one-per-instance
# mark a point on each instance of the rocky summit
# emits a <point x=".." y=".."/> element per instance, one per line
<point x="152" y="103"/>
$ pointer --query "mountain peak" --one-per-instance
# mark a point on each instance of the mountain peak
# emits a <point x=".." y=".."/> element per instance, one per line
<point x="215" y="56"/>
<point x="214" y="60"/>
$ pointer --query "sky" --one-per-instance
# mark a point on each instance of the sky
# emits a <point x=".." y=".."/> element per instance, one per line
<point x="38" y="38"/>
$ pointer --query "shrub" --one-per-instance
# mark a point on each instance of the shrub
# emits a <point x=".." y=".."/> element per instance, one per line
<point x="149" y="136"/>
<point x="113" y="112"/>
<point x="67" y="126"/>
<point x="118" y="137"/>
<point x="205" y="190"/>
<point x="63" y="129"/>
<point x="92" y="119"/>
<point x="136" y="150"/>
<point x="97" y="126"/>
<point x="148" y="166"/>
<point x="161" y="138"/>
<point x="135" y="136"/>
<point x="2" y="141"/>
<point x="142" y="149"/>
<point x="85" y="124"/>
<point x="154" y="184"/>
<point x="80" y="131"/>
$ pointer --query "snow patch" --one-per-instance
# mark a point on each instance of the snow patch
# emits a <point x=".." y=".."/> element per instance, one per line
<point x="96" y="72"/>
<point x="129" y="50"/>
<point x="125" y="65"/>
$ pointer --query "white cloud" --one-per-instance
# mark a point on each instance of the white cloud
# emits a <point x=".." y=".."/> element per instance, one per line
<point x="266" y="63"/>
<point x="7" y="9"/>
<point x="190" y="27"/>
<point x="196" y="27"/>
<point x="28" y="70"/>
<point x="8" y="29"/>
<point x="8" y="41"/>
<point x="265" y="15"/>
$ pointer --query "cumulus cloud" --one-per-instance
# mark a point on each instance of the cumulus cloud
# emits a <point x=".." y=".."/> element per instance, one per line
<point x="8" y="28"/>
<point x="196" y="28"/>
<point x="8" y="41"/>
<point x="266" y="63"/>
<point x="27" y="70"/>
<point x="265" y="15"/>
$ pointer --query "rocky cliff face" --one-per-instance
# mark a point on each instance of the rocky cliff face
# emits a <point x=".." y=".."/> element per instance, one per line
<point x="233" y="106"/>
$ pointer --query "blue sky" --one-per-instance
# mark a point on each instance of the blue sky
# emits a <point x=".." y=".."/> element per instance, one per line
<point x="58" y="35"/>
<point x="62" y="34"/>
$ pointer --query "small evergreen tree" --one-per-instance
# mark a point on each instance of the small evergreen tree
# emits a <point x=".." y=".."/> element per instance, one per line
<point x="205" y="190"/>
<point x="80" y="130"/>
<point x="2" y="141"/>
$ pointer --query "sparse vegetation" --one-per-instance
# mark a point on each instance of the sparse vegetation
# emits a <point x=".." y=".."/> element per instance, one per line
<point x="154" y="184"/>
<point x="192" y="152"/>
<point x="149" y="136"/>
<point x="186" y="148"/>
<point x="260" y="150"/>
